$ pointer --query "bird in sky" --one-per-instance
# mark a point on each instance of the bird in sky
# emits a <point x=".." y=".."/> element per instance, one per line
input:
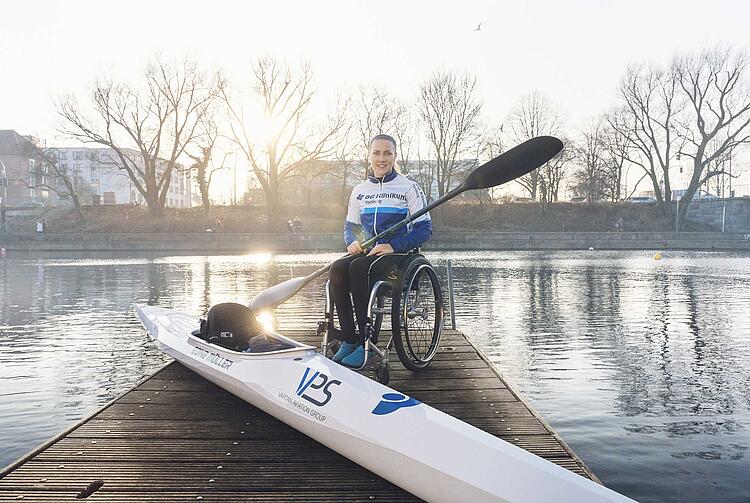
<point x="479" y="27"/>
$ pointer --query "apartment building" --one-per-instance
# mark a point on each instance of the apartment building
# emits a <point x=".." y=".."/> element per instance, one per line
<point x="19" y="162"/>
<point x="103" y="182"/>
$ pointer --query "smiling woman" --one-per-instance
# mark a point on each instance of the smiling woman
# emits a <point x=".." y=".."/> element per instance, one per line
<point x="376" y="204"/>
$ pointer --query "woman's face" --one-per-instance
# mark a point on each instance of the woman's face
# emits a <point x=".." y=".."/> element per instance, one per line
<point x="382" y="157"/>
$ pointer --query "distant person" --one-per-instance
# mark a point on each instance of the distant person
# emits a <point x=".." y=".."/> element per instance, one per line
<point x="39" y="227"/>
<point x="384" y="198"/>
<point x="218" y="225"/>
<point x="44" y="225"/>
<point x="294" y="224"/>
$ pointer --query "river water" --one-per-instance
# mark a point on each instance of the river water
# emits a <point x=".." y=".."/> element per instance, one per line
<point x="642" y="366"/>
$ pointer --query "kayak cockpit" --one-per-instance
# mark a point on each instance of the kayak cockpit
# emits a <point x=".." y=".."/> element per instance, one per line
<point x="233" y="327"/>
<point x="263" y="345"/>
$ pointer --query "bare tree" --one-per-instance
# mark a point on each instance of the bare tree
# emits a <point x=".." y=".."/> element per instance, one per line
<point x="204" y="165"/>
<point x="534" y="115"/>
<point x="157" y="121"/>
<point x="649" y="117"/>
<point x="405" y="132"/>
<point x="719" y="172"/>
<point x="617" y="146"/>
<point x="376" y="112"/>
<point x="492" y="144"/>
<point x="449" y="110"/>
<point x="290" y="142"/>
<point x="50" y="174"/>
<point x="714" y="83"/>
<point x="553" y="173"/>
<point x="489" y="146"/>
<point x="589" y="180"/>
<point x="345" y="154"/>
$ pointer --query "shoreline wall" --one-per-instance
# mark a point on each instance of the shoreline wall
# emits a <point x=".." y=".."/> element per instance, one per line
<point x="230" y="243"/>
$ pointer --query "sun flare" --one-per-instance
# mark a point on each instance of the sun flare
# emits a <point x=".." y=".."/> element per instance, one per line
<point x="266" y="319"/>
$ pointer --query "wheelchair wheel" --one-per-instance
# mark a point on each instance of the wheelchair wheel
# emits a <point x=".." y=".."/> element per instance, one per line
<point x="417" y="316"/>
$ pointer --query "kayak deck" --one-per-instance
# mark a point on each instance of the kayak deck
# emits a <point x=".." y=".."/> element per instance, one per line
<point x="178" y="437"/>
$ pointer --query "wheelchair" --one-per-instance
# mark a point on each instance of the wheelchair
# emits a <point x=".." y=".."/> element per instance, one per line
<point x="406" y="287"/>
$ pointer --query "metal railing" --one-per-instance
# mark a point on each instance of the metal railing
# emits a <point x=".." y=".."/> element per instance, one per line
<point x="14" y="222"/>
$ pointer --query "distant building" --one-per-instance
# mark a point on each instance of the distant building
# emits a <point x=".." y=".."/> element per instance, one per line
<point x="94" y="171"/>
<point x="19" y="161"/>
<point x="105" y="183"/>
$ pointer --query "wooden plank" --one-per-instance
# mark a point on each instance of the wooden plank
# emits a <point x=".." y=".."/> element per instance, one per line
<point x="301" y="495"/>
<point x="176" y="475"/>
<point x="201" y="450"/>
<point x="228" y="428"/>
<point x="447" y="370"/>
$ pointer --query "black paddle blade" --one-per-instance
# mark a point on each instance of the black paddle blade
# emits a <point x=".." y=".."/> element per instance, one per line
<point x="516" y="162"/>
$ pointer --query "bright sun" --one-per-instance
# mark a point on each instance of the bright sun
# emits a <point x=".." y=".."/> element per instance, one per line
<point x="267" y="129"/>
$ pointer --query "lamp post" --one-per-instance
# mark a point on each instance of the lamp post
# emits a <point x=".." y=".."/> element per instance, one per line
<point x="3" y="181"/>
<point x="234" y="181"/>
<point x="4" y="185"/>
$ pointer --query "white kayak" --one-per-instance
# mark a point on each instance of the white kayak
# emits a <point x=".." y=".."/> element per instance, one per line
<point x="372" y="424"/>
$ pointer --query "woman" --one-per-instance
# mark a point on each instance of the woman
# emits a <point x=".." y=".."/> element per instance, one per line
<point x="385" y="198"/>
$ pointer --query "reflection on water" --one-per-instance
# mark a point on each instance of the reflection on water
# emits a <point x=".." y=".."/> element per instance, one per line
<point x="643" y="367"/>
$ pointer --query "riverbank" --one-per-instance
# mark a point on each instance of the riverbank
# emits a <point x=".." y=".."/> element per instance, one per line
<point x="449" y="218"/>
<point x="239" y="243"/>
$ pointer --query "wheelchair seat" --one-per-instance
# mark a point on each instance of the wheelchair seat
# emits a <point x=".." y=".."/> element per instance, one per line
<point x="391" y="268"/>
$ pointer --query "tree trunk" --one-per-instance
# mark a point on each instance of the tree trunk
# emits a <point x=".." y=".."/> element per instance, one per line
<point x="692" y="188"/>
<point x="204" y="199"/>
<point x="77" y="206"/>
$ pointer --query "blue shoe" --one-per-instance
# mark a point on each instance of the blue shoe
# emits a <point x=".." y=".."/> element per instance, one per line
<point x="357" y="358"/>
<point x="345" y="350"/>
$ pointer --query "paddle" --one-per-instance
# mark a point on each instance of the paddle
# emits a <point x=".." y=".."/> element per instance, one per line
<point x="514" y="163"/>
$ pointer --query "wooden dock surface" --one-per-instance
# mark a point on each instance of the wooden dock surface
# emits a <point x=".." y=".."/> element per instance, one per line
<point x="177" y="438"/>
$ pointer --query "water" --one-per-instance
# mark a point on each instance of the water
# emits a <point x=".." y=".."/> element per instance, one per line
<point x="642" y="366"/>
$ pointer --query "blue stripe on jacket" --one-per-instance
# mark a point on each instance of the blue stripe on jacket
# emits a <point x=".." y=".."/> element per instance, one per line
<point x="404" y="241"/>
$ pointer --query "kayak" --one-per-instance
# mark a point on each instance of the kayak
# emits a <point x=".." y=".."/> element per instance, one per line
<point x="372" y="424"/>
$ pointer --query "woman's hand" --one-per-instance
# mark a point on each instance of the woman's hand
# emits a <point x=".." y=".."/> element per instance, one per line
<point x="355" y="248"/>
<point x="381" y="249"/>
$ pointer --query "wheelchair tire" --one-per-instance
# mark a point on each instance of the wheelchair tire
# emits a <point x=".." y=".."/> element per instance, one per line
<point x="417" y="315"/>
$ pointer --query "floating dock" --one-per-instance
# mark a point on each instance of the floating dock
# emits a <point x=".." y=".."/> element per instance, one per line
<point x="176" y="437"/>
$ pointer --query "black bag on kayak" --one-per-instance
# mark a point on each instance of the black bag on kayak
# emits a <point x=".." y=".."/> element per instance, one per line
<point x="230" y="325"/>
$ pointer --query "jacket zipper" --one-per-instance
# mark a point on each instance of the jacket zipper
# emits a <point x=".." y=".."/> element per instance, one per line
<point x="375" y="221"/>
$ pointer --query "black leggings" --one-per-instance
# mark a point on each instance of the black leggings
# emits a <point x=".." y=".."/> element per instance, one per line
<point x="349" y="282"/>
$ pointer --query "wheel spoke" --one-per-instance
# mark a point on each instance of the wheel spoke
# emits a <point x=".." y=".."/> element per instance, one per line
<point x="420" y="328"/>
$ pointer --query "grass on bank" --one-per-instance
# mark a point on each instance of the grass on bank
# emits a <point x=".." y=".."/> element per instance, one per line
<point x="452" y="217"/>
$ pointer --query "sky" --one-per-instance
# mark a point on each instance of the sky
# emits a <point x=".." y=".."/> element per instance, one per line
<point x="574" y="51"/>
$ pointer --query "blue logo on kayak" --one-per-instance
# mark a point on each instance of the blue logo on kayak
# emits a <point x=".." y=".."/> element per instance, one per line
<point x="391" y="402"/>
<point x="323" y="383"/>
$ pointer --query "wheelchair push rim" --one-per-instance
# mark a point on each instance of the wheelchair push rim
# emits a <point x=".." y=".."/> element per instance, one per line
<point x="420" y="320"/>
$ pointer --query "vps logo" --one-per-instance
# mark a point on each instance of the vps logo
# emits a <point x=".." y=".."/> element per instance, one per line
<point x="391" y="402"/>
<point x="323" y="383"/>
